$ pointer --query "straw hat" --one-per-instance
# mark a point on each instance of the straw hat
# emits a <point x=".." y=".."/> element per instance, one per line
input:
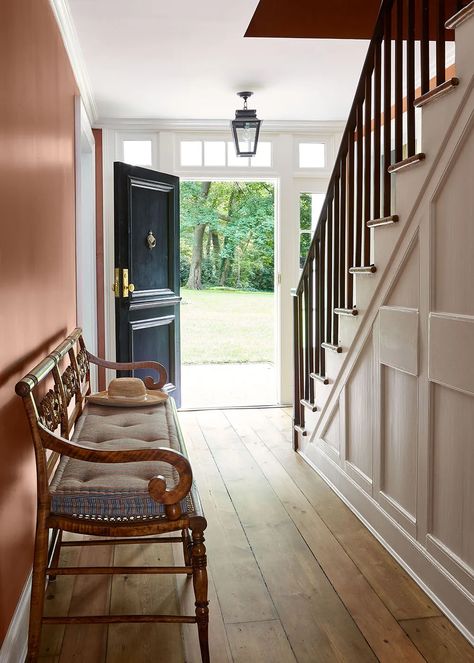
<point x="128" y="392"/>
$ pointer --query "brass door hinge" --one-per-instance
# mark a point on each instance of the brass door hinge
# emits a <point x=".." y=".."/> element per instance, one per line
<point x="116" y="285"/>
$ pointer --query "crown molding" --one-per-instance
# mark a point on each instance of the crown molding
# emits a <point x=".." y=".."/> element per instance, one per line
<point x="65" y="22"/>
<point x="268" y="126"/>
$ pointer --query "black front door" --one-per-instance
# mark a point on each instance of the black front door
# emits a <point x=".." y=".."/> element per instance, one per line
<point x="147" y="269"/>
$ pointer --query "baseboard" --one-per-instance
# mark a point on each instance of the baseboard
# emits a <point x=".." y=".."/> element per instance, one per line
<point x="14" y="648"/>
<point x="445" y="591"/>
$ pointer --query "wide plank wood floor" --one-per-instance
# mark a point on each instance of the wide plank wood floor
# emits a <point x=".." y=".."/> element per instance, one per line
<point x="294" y="575"/>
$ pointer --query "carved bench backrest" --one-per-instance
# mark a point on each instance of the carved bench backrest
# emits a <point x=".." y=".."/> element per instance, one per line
<point x="54" y="395"/>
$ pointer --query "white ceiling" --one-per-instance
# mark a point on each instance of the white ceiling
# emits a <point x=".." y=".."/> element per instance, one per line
<point x="152" y="59"/>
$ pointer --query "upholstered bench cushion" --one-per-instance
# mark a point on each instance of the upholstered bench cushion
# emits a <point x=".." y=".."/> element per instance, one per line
<point x="118" y="490"/>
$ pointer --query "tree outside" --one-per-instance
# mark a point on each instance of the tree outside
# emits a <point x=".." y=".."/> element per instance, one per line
<point x="227" y="235"/>
<point x="227" y="250"/>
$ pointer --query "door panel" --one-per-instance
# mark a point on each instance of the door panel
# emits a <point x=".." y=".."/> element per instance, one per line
<point x="147" y="244"/>
<point x="151" y="203"/>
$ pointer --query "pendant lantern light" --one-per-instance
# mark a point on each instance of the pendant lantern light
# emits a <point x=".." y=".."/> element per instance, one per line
<point x="245" y="129"/>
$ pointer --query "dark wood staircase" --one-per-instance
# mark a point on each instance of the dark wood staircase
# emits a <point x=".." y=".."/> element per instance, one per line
<point x="401" y="75"/>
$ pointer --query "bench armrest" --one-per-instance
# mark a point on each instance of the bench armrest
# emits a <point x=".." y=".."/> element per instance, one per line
<point x="156" y="486"/>
<point x="128" y="366"/>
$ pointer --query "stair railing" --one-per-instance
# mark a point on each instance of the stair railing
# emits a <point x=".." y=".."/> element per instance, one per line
<point x="392" y="84"/>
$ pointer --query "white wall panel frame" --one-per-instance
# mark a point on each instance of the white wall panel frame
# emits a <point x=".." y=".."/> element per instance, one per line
<point x="449" y="560"/>
<point x="449" y="351"/>
<point x="403" y="517"/>
<point x="427" y="558"/>
<point x="326" y="446"/>
<point x="398" y="334"/>
<point x="424" y="461"/>
<point x="450" y="337"/>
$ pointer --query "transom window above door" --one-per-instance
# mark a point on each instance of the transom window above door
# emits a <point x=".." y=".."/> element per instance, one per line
<point x="138" y="152"/>
<point x="221" y="153"/>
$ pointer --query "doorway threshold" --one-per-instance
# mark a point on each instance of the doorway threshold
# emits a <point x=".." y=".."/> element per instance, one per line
<point x="215" y="385"/>
<point x="234" y="407"/>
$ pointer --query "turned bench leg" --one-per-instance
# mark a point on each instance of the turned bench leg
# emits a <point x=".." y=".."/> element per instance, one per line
<point x="40" y="563"/>
<point x="187" y="549"/>
<point x="200" y="585"/>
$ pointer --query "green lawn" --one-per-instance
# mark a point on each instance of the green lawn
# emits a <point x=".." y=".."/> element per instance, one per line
<point x="226" y="326"/>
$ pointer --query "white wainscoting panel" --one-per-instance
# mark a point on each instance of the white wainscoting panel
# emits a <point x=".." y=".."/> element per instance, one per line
<point x="406" y="291"/>
<point x="453" y="471"/>
<point x="331" y="436"/>
<point x="399" y="338"/>
<point x="453" y="225"/>
<point x="359" y="413"/>
<point x="399" y="439"/>
<point x="451" y="350"/>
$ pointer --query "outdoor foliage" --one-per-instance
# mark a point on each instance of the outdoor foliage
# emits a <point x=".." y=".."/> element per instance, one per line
<point x="305" y="225"/>
<point x="227" y="233"/>
<point x="227" y="326"/>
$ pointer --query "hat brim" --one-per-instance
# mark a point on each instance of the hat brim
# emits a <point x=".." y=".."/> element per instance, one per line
<point x="151" y="398"/>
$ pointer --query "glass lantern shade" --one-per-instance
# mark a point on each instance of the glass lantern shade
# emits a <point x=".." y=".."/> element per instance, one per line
<point x="245" y="130"/>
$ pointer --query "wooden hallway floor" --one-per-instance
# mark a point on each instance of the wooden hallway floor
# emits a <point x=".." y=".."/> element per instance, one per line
<point x="294" y="575"/>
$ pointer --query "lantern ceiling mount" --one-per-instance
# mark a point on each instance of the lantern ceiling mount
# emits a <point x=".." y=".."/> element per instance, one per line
<point x="245" y="128"/>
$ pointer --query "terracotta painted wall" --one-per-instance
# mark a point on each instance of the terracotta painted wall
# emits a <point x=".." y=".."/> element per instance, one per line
<point x="37" y="252"/>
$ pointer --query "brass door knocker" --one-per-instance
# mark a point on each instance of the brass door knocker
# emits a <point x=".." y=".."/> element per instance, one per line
<point x="151" y="239"/>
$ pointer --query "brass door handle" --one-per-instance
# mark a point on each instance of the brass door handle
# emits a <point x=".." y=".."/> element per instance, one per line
<point x="127" y="287"/>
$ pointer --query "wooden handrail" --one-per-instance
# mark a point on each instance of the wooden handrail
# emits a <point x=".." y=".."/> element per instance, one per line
<point x="359" y="194"/>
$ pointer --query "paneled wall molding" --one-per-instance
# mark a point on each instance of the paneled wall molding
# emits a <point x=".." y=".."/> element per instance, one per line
<point x="424" y="568"/>
<point x="406" y="432"/>
<point x="398" y="513"/>
<point x="65" y="22"/>
<point x="398" y="338"/>
<point x="456" y="566"/>
<point x="395" y="252"/>
<point x="449" y="337"/>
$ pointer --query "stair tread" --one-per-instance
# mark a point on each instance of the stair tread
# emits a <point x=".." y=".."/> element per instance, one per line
<point x="383" y="221"/>
<point x="405" y="163"/>
<point x="363" y="269"/>
<point x="330" y="346"/>
<point x="319" y="377"/>
<point x="346" y="311"/>
<point x="436" y="92"/>
<point x="460" y="16"/>
<point x="300" y="430"/>
<point x="308" y="404"/>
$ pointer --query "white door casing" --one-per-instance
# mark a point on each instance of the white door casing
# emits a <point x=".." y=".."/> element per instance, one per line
<point x="86" y="303"/>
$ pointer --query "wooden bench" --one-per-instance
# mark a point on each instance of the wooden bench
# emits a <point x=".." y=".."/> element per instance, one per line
<point x="81" y="489"/>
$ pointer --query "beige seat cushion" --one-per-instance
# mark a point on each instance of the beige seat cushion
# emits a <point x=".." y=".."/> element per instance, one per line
<point x="118" y="490"/>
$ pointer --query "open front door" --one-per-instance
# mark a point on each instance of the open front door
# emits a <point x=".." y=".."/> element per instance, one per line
<point x="146" y="281"/>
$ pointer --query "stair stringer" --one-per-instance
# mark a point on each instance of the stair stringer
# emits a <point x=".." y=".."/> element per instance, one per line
<point x="405" y="538"/>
